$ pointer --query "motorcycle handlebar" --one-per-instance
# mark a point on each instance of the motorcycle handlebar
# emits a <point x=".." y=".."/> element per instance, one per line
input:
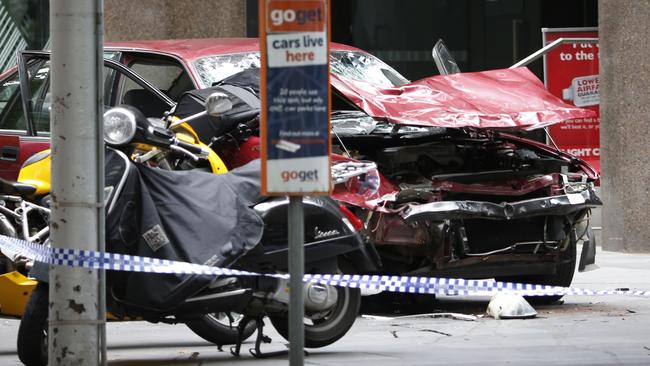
<point x="195" y="149"/>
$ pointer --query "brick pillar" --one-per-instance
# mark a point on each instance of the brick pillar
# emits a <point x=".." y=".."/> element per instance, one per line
<point x="624" y="31"/>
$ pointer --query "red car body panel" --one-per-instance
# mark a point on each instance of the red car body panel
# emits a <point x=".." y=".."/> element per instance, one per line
<point x="25" y="147"/>
<point x="508" y="98"/>
<point x="191" y="49"/>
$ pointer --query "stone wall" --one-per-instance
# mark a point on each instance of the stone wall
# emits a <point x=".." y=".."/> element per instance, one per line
<point x="624" y="31"/>
<point x="166" y="19"/>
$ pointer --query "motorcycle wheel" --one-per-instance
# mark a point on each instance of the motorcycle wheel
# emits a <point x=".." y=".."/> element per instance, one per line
<point x="563" y="277"/>
<point x="217" y="328"/>
<point x="32" y="332"/>
<point x="325" y="331"/>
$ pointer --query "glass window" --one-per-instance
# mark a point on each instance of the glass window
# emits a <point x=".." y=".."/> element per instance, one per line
<point x="41" y="101"/>
<point x="354" y="65"/>
<point x="12" y="116"/>
<point x="11" y="109"/>
<point x="10" y="96"/>
<point x="212" y="69"/>
<point x="165" y="74"/>
<point x="363" y="66"/>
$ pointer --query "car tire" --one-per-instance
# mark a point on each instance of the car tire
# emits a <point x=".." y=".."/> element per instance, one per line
<point x="32" y="332"/>
<point x="563" y="277"/>
<point x="331" y="329"/>
<point x="215" y="328"/>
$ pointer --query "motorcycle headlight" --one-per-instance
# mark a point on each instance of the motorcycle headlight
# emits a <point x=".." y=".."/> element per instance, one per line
<point x="119" y="126"/>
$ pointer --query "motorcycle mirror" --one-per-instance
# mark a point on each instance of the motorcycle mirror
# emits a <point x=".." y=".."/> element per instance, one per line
<point x="217" y="103"/>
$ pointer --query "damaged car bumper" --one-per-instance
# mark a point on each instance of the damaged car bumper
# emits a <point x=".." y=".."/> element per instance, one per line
<point x="553" y="205"/>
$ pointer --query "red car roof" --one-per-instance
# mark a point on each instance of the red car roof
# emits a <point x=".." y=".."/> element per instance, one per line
<point x="190" y="49"/>
<point x="490" y="99"/>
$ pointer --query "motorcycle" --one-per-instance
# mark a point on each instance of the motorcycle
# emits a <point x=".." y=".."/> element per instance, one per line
<point x="212" y="219"/>
<point x="24" y="208"/>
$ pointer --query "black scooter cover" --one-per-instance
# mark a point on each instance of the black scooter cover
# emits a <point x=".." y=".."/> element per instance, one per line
<point x="189" y="216"/>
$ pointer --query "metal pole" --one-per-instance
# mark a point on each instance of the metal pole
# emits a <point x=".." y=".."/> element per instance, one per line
<point x="296" y="286"/>
<point x="76" y="318"/>
<point x="550" y="47"/>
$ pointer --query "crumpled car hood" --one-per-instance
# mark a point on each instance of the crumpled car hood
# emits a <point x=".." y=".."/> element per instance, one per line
<point x="507" y="98"/>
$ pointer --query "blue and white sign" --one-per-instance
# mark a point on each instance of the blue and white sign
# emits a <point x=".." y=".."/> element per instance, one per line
<point x="295" y="98"/>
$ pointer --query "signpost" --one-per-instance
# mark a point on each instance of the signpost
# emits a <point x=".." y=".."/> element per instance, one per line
<point x="571" y="73"/>
<point x="295" y="128"/>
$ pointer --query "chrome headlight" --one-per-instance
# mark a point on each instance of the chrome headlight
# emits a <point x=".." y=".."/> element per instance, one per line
<point x="119" y="126"/>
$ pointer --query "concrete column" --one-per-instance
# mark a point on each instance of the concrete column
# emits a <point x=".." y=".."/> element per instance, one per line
<point x="624" y="31"/>
<point x="76" y="315"/>
<point x="167" y="19"/>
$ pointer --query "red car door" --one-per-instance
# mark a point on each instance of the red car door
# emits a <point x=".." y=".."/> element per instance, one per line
<point x="14" y="150"/>
<point x="22" y="89"/>
<point x="25" y="105"/>
<point x="9" y="151"/>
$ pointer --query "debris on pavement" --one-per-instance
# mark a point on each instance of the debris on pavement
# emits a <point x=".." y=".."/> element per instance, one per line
<point x="509" y="306"/>
<point x="435" y="331"/>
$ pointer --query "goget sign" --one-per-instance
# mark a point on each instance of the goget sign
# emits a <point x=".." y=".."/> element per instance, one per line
<point x="571" y="73"/>
<point x="295" y="125"/>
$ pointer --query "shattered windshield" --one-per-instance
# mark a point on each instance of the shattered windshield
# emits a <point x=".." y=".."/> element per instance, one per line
<point x="212" y="69"/>
<point x="354" y="65"/>
<point x="365" y="67"/>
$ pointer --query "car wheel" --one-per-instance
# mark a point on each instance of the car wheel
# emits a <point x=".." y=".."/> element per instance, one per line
<point x="220" y="328"/>
<point x="326" y="329"/>
<point x="563" y="277"/>
<point x="32" y="332"/>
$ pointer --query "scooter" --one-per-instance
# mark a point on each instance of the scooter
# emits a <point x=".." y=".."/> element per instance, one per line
<point x="195" y="223"/>
<point x="24" y="204"/>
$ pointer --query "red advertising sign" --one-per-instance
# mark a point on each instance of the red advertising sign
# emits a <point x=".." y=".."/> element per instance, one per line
<point x="571" y="73"/>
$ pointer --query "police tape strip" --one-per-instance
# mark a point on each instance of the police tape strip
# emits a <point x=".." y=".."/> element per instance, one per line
<point x="404" y="284"/>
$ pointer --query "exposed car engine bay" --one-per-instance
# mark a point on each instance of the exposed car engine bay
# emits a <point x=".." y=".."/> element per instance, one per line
<point x="468" y="200"/>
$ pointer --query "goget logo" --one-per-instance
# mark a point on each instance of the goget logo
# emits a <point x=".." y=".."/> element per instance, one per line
<point x="299" y="175"/>
<point x="296" y="16"/>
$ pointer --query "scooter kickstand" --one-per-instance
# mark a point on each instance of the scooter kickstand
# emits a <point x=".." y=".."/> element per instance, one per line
<point x="261" y="338"/>
<point x="235" y="350"/>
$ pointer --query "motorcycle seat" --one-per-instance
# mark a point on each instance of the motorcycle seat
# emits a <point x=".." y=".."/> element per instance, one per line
<point x="16" y="188"/>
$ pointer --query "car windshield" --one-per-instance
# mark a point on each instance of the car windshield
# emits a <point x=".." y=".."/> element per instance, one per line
<point x="354" y="65"/>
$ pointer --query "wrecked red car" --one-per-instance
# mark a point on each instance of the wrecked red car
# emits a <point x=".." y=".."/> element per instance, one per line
<point x="434" y="173"/>
<point x="457" y="194"/>
<point x="447" y="190"/>
<point x="436" y="176"/>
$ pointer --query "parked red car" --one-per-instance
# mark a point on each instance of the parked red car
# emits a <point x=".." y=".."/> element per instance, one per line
<point x="426" y="170"/>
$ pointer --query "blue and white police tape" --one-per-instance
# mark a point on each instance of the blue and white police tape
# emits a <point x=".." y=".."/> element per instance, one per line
<point x="404" y="284"/>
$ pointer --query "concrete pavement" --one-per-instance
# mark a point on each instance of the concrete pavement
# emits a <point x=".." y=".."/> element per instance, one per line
<point x="609" y="330"/>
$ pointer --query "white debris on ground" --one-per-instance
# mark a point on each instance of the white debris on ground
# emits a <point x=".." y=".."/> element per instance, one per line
<point x="509" y="306"/>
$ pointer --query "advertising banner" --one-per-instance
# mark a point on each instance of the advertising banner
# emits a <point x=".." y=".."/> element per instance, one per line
<point x="295" y="125"/>
<point x="571" y="73"/>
